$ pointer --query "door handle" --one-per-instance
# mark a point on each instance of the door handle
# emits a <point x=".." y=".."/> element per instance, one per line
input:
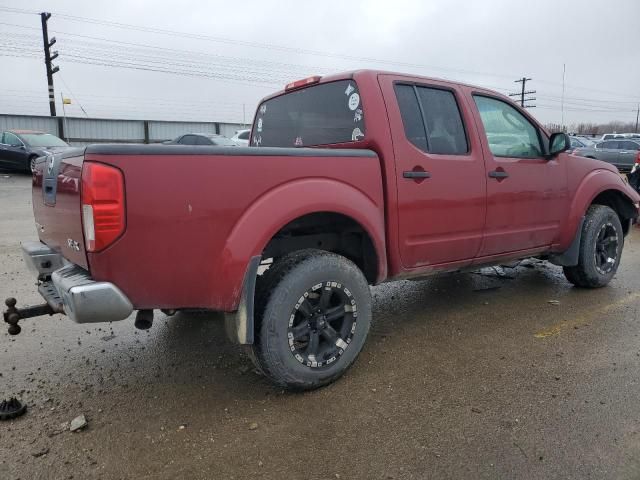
<point x="498" y="174"/>
<point x="416" y="174"/>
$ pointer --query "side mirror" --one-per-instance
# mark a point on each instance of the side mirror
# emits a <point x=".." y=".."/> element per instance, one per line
<point x="558" y="143"/>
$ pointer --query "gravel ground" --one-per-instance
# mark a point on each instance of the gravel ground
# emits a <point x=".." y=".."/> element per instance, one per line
<point x="472" y="375"/>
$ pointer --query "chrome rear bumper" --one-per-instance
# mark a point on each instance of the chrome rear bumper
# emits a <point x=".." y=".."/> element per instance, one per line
<point x="69" y="288"/>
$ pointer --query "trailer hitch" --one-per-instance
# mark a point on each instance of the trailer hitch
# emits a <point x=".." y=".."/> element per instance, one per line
<point x="13" y="315"/>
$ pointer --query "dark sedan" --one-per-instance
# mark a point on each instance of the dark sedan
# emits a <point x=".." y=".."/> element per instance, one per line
<point x="619" y="152"/>
<point x="19" y="149"/>
<point x="203" y="139"/>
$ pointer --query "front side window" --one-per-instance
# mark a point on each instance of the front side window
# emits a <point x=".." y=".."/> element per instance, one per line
<point x="509" y="133"/>
<point x="188" y="140"/>
<point x="322" y="114"/>
<point x="11" y="139"/>
<point x="244" y="135"/>
<point x="633" y="146"/>
<point x="610" y="145"/>
<point x="431" y="119"/>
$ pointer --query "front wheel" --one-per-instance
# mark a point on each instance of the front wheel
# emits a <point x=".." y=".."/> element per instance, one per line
<point x="600" y="249"/>
<point x="313" y="316"/>
<point x="31" y="164"/>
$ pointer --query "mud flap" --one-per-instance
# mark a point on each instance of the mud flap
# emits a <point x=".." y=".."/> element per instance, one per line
<point x="239" y="325"/>
<point x="570" y="257"/>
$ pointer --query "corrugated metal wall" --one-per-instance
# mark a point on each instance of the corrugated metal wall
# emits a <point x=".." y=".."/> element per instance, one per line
<point x="28" y="122"/>
<point x="83" y="131"/>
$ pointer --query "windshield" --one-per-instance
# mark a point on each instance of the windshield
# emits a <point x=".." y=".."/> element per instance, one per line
<point x="319" y="115"/>
<point x="42" y="140"/>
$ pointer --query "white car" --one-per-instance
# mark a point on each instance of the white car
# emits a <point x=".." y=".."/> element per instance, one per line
<point x="242" y="137"/>
<point x="611" y="136"/>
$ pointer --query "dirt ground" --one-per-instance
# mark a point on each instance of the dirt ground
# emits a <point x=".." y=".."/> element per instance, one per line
<point x="473" y="375"/>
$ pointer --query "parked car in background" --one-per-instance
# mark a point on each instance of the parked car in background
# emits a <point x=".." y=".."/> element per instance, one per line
<point x="19" y="149"/>
<point x="611" y="136"/>
<point x="579" y="142"/>
<point x="242" y="137"/>
<point x="203" y="139"/>
<point x="621" y="153"/>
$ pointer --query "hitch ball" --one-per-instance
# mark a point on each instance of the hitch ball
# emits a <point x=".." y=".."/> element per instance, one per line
<point x="144" y="319"/>
<point x="11" y="316"/>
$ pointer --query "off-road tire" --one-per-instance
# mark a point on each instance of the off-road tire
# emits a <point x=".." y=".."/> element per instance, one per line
<point x="587" y="273"/>
<point x="278" y="292"/>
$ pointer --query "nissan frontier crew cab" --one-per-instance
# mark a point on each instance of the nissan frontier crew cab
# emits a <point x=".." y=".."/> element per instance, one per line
<point x="350" y="180"/>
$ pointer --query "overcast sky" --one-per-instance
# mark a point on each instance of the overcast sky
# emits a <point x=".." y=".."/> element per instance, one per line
<point x="234" y="53"/>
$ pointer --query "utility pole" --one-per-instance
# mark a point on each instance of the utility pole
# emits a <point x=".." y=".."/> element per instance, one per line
<point x="564" y="71"/>
<point x="524" y="92"/>
<point x="48" y="58"/>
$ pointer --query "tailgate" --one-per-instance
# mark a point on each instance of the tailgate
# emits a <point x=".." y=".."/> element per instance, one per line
<point x="56" y="204"/>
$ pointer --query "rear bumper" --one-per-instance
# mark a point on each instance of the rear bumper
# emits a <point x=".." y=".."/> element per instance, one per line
<point x="70" y="289"/>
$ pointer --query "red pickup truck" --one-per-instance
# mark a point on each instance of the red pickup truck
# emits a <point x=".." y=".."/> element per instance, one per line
<point x="349" y="181"/>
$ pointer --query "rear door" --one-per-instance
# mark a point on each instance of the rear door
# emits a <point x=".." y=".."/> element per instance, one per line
<point x="627" y="154"/>
<point x="439" y="172"/>
<point x="527" y="194"/>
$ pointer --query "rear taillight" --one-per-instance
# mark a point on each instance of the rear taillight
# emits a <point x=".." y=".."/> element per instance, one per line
<point x="102" y="205"/>
<point x="638" y="157"/>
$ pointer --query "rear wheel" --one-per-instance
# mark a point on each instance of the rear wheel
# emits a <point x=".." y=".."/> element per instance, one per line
<point x="313" y="316"/>
<point x="600" y="249"/>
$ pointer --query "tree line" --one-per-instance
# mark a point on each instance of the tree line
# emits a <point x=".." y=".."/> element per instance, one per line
<point x="594" y="129"/>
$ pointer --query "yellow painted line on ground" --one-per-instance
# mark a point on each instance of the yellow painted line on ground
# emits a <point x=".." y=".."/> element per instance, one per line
<point x="581" y="320"/>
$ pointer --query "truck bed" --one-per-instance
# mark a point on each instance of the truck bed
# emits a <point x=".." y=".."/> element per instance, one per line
<point x="190" y="211"/>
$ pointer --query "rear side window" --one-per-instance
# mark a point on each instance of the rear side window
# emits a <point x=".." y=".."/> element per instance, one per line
<point x="318" y="115"/>
<point x="200" y="140"/>
<point x="244" y="135"/>
<point x="431" y="119"/>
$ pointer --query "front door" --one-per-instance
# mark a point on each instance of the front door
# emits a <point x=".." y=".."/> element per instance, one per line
<point x="439" y="173"/>
<point x="527" y="194"/>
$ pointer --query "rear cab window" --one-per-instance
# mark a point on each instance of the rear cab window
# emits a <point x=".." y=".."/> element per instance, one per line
<point x="323" y="114"/>
<point x="431" y="119"/>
